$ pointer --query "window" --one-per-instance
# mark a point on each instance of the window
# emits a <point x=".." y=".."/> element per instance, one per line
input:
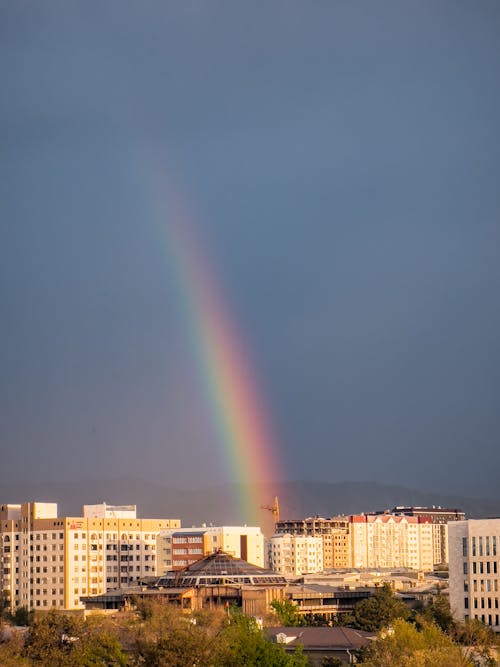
<point x="465" y="567"/>
<point x="466" y="603"/>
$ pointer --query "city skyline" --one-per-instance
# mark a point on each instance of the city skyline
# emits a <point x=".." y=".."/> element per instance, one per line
<point x="337" y="165"/>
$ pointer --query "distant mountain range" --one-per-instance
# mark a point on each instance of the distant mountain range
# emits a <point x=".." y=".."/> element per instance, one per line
<point x="218" y="505"/>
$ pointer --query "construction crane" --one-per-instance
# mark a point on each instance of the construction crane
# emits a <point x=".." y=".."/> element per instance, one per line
<point x="274" y="508"/>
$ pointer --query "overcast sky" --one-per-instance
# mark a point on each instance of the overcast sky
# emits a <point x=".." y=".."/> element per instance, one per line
<point x="340" y="162"/>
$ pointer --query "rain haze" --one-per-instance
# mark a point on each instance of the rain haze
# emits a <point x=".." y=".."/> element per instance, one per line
<point x="339" y="166"/>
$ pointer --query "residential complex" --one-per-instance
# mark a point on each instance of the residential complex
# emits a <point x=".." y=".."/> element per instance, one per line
<point x="474" y="549"/>
<point x="178" y="548"/>
<point x="53" y="562"/>
<point x="50" y="562"/>
<point x="414" y="537"/>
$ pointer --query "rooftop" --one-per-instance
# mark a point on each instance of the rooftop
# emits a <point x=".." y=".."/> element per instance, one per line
<point x="220" y="568"/>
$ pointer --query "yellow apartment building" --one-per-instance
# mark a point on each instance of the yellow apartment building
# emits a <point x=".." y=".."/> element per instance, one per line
<point x="50" y="562"/>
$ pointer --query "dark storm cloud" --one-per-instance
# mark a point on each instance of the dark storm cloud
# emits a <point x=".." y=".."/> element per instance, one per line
<point x="342" y="160"/>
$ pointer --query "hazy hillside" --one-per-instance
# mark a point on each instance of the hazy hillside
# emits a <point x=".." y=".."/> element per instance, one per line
<point x="217" y="505"/>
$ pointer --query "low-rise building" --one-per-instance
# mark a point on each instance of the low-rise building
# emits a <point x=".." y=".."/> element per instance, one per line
<point x="218" y="580"/>
<point x="178" y="548"/>
<point x="322" y="645"/>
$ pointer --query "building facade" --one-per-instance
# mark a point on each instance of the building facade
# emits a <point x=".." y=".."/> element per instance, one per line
<point x="334" y="533"/>
<point x="179" y="548"/>
<point x="388" y="540"/>
<point x="474" y="549"/>
<point x="293" y="555"/>
<point x="440" y="517"/>
<point x="51" y="562"/>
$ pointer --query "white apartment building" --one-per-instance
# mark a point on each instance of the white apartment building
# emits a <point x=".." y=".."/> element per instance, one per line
<point x="50" y="562"/>
<point x="440" y="518"/>
<point x="388" y="540"/>
<point x="474" y="552"/>
<point x="293" y="555"/>
<point x="180" y="547"/>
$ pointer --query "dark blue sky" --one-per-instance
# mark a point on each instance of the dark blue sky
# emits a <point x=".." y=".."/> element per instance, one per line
<point x="342" y="163"/>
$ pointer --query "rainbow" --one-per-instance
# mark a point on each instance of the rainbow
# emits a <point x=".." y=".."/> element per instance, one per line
<point x="247" y="447"/>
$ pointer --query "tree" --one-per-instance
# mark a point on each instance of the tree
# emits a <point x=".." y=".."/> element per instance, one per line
<point x="438" y="611"/>
<point x="242" y="642"/>
<point x="403" y="645"/>
<point x="315" y="620"/>
<point x="60" y="640"/>
<point x="10" y="651"/>
<point x="165" y="637"/>
<point x="479" y="639"/>
<point x="287" y="612"/>
<point x="331" y="661"/>
<point x="4" y="603"/>
<point x="23" y="616"/>
<point x="379" y="610"/>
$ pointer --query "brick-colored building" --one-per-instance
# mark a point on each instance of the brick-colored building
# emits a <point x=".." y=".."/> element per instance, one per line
<point x="179" y="548"/>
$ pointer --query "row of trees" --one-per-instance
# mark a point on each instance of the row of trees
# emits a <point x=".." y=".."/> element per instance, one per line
<point x="157" y="635"/>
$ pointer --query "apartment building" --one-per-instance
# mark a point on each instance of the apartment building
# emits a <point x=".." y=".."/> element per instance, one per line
<point x="334" y="533"/>
<point x="178" y="548"/>
<point x="474" y="550"/>
<point x="293" y="555"/>
<point x="440" y="517"/>
<point x="50" y="562"/>
<point x="388" y="540"/>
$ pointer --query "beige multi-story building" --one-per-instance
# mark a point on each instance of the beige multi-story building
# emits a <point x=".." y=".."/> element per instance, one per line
<point x="178" y="548"/>
<point x="474" y="549"/>
<point x="388" y="540"/>
<point x="293" y="555"/>
<point x="334" y="533"/>
<point x="50" y="562"/>
<point x="440" y="517"/>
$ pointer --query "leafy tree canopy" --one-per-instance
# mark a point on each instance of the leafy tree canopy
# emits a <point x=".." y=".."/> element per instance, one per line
<point x="403" y="645"/>
<point x="379" y="610"/>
